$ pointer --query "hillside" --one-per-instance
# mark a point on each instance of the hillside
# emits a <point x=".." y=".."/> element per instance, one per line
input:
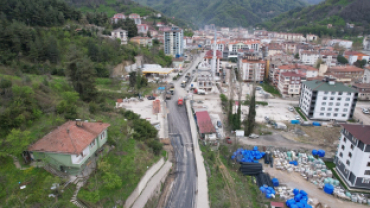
<point x="312" y="1"/>
<point x="314" y="19"/>
<point x="111" y="7"/>
<point x="223" y="13"/>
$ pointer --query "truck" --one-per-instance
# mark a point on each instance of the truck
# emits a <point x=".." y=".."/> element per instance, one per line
<point x="171" y="88"/>
<point x="183" y="84"/>
<point x="180" y="101"/>
<point x="187" y="75"/>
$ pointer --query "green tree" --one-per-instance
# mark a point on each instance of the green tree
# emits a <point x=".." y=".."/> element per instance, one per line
<point x="296" y="56"/>
<point x="342" y="59"/>
<point x="360" y="63"/>
<point x="81" y="75"/>
<point x="132" y="79"/>
<point x="111" y="180"/>
<point x="17" y="141"/>
<point x="250" y="122"/>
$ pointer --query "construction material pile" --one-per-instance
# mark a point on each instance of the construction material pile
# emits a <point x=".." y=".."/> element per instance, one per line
<point x="300" y="199"/>
<point x="247" y="156"/>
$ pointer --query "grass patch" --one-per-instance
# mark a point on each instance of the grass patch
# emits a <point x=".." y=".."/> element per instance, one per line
<point x="36" y="190"/>
<point x="270" y="89"/>
<point x="300" y="113"/>
<point x="263" y="103"/>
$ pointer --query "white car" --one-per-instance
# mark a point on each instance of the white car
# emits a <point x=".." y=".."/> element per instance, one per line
<point x="365" y="110"/>
<point x="290" y="109"/>
<point x="254" y="136"/>
<point x="297" y="117"/>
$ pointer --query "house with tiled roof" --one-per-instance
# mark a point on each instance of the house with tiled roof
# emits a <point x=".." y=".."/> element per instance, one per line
<point x="117" y="17"/>
<point x="363" y="90"/>
<point x="71" y="148"/>
<point x="205" y="127"/>
<point x="353" y="56"/>
<point x="136" y="18"/>
<point x="290" y="84"/>
<point x="346" y="73"/>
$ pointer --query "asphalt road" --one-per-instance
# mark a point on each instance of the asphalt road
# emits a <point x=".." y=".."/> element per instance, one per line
<point x="183" y="190"/>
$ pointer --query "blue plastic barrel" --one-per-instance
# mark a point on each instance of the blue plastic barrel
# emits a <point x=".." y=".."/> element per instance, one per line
<point x="328" y="188"/>
<point x="275" y="182"/>
<point x="316" y="123"/>
<point x="303" y="193"/>
<point x="321" y="153"/>
<point x="314" y="152"/>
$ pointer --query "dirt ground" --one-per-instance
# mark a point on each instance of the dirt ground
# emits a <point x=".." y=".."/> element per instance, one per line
<point x="294" y="180"/>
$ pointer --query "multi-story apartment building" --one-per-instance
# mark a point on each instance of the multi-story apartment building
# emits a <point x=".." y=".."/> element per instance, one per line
<point x="352" y="159"/>
<point x="142" y="28"/>
<point x="309" y="57"/>
<point x="347" y="72"/>
<point x="304" y="70"/>
<point x="174" y="42"/>
<point x="327" y="100"/>
<point x="236" y="44"/>
<point x="329" y="57"/>
<point x="363" y="90"/>
<point x="120" y="34"/>
<point x="249" y="66"/>
<point x="204" y="81"/>
<point x="290" y="84"/>
<point x="353" y="56"/>
<point x="144" y="41"/>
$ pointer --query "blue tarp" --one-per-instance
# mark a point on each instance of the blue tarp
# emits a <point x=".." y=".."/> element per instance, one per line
<point x="294" y="122"/>
<point x="295" y="163"/>
<point x="252" y="156"/>
<point x="316" y="124"/>
<point x="161" y="88"/>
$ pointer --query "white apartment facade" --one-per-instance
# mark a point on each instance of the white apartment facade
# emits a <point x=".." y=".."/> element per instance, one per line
<point x="327" y="100"/>
<point x="120" y="34"/>
<point x="352" y="159"/>
<point x="251" y="66"/>
<point x="174" y="42"/>
<point x="290" y="84"/>
<point x="309" y="57"/>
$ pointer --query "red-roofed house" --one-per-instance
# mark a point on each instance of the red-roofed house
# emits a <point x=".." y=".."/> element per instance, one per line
<point x="70" y="149"/>
<point x="136" y="18"/>
<point x="142" y="28"/>
<point x="117" y="17"/>
<point x="290" y="84"/>
<point x="206" y="129"/>
<point x="353" y="56"/>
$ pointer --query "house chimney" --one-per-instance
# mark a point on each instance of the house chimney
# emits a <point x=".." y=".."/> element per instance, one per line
<point x="79" y="122"/>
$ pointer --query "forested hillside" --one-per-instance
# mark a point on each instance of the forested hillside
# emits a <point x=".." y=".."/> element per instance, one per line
<point x="223" y="13"/>
<point x="315" y="19"/>
<point x="110" y="7"/>
<point x="54" y="67"/>
<point x="313" y="1"/>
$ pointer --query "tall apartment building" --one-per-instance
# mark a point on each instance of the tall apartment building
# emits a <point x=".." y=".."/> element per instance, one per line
<point x="327" y="100"/>
<point x="174" y="42"/>
<point x="290" y="84"/>
<point x="249" y="66"/>
<point x="352" y="158"/>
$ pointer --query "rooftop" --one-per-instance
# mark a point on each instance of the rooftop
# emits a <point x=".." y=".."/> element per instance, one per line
<point x="291" y="74"/>
<point x="204" y="123"/>
<point x="360" y="132"/>
<point x="325" y="86"/>
<point x="69" y="138"/>
<point x="361" y="85"/>
<point x="346" y="68"/>
<point x="209" y="54"/>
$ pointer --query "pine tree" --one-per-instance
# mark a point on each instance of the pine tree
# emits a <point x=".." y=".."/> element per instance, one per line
<point x="250" y="122"/>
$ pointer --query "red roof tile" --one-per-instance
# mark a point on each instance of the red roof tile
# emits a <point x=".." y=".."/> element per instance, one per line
<point x="209" y="54"/>
<point x="204" y="123"/>
<point x="69" y="138"/>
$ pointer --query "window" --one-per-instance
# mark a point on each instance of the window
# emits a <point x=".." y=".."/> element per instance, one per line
<point x="344" y="139"/>
<point x="337" y="104"/>
<point x="328" y="114"/>
<point x="322" y="108"/>
<point x="331" y="98"/>
<point x="326" y="93"/>
<point x="343" y="149"/>
<point x="350" y="155"/>
<point x="335" y="114"/>
<point x="346" y="104"/>
<point x="368" y="164"/>
<point x="349" y="93"/>
<point x="329" y="109"/>
<point x="339" y="98"/>
<point x="340" y="154"/>
<point x="102" y="135"/>
<point x="323" y="103"/>
<point x="333" y="93"/>
<point x="352" y="146"/>
<point x="330" y="104"/>
<point x="348" y="162"/>
<point x="340" y="93"/>
<point x="325" y="98"/>
<point x="366" y="180"/>
<point x="346" y="171"/>
<point x="92" y="143"/>
<point x="348" y="99"/>
<point x="345" y="109"/>
<point x="343" y="115"/>
<point x="336" y="109"/>
<point x="321" y="114"/>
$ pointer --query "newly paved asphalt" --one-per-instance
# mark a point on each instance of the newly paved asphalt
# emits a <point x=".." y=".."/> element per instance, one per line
<point x="184" y="187"/>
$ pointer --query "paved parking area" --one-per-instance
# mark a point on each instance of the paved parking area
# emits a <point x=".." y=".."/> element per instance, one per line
<point x="274" y="112"/>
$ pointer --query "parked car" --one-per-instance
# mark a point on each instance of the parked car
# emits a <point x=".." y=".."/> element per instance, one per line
<point x="291" y="109"/>
<point x="228" y="140"/>
<point x="365" y="110"/>
<point x="150" y="97"/>
<point x="219" y="124"/>
<point x="254" y="136"/>
<point x="297" y="117"/>
<point x="258" y="88"/>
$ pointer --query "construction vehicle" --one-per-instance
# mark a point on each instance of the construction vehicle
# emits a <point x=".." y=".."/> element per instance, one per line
<point x="183" y="84"/>
<point x="180" y="101"/>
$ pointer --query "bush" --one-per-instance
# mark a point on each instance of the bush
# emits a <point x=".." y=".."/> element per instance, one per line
<point x="155" y="145"/>
<point x="223" y="98"/>
<point x="93" y="107"/>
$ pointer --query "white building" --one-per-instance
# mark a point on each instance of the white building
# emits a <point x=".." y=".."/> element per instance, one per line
<point x="136" y="18"/>
<point x="120" y="34"/>
<point x="327" y="100"/>
<point x="250" y="66"/>
<point x="117" y="17"/>
<point x="342" y="43"/>
<point x="174" y="42"/>
<point x="352" y="159"/>
<point x="309" y="57"/>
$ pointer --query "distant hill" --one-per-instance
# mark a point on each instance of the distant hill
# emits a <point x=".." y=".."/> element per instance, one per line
<point x="313" y="1"/>
<point x="223" y="12"/>
<point x="111" y="7"/>
<point x="315" y="19"/>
